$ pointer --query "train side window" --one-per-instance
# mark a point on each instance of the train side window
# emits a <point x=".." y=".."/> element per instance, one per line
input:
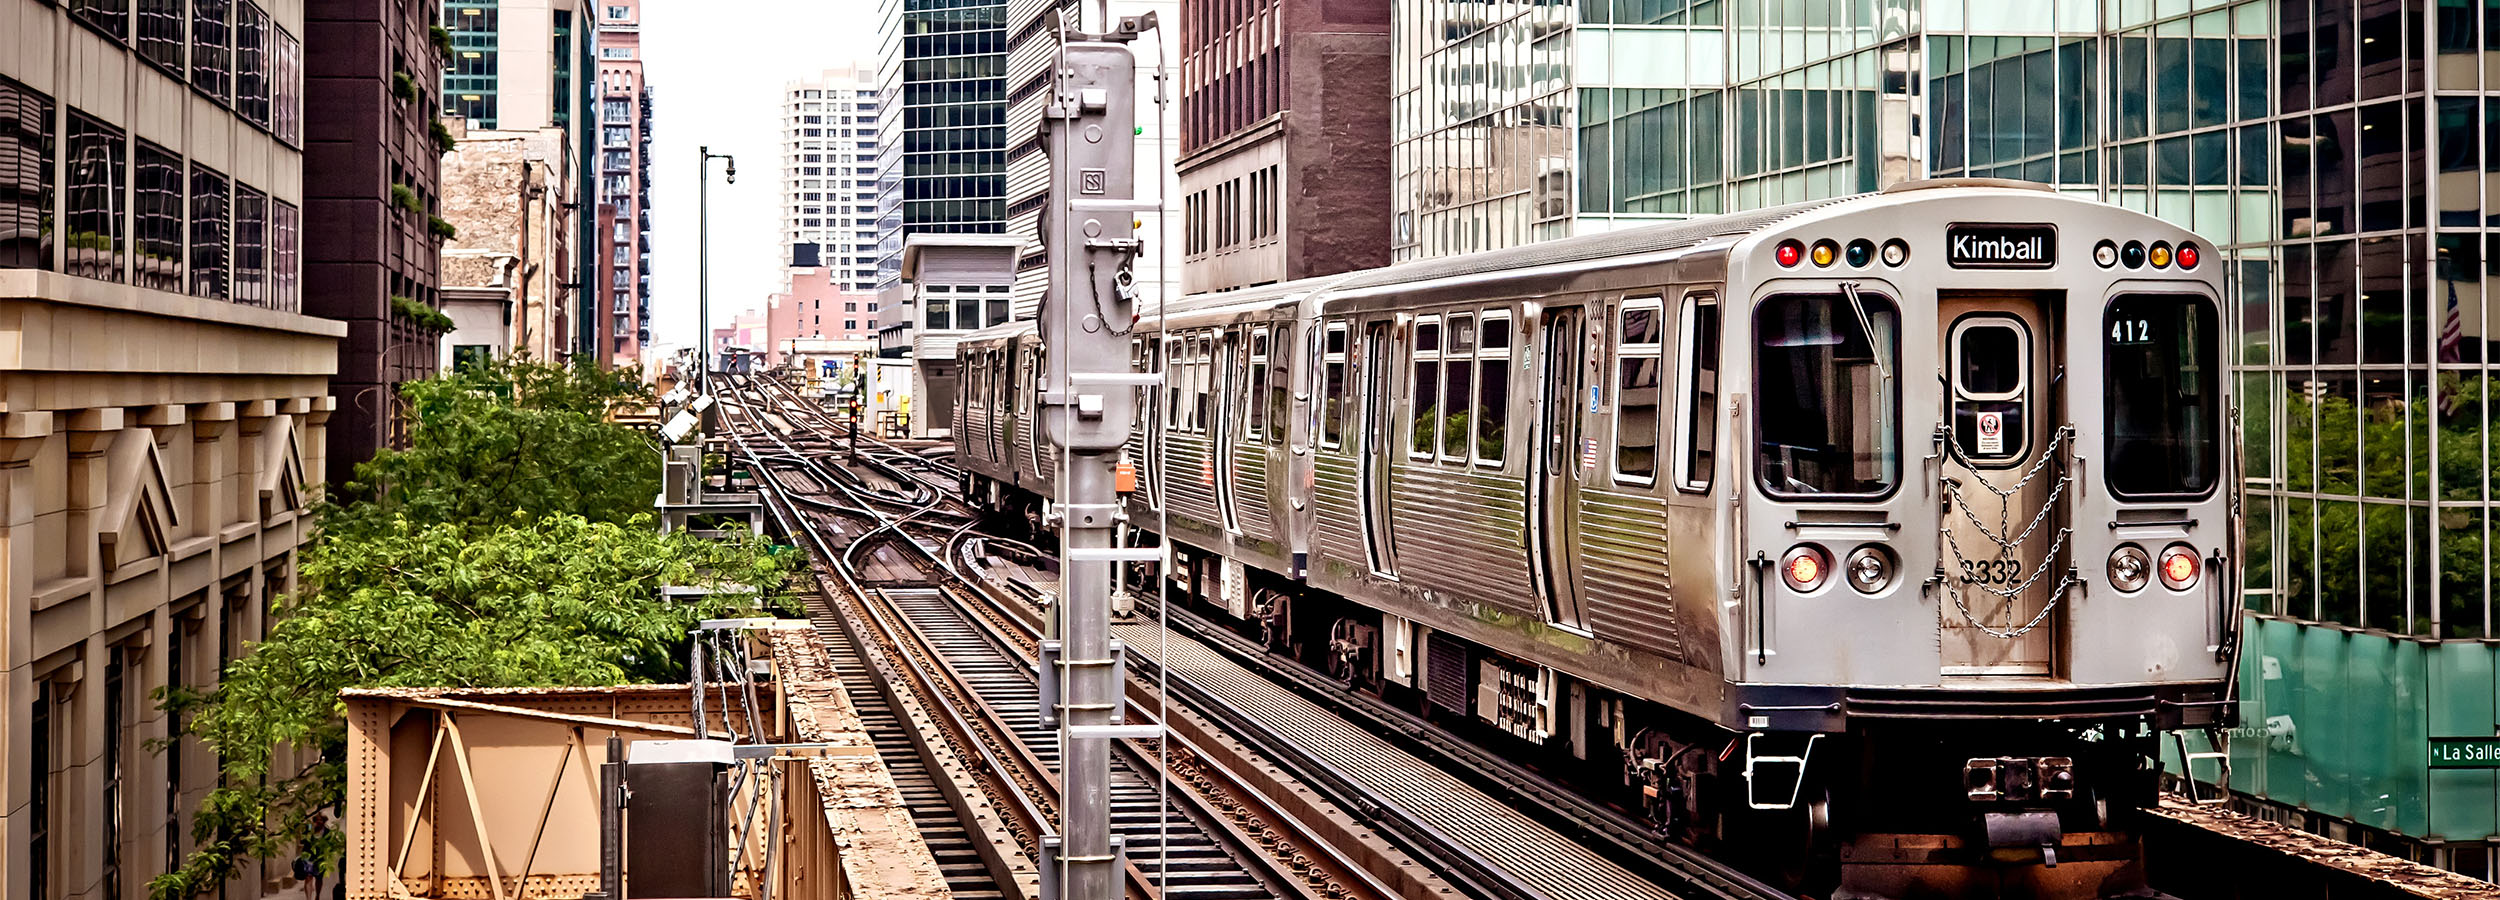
<point x="1492" y="387"/>
<point x="1638" y="360"/>
<point x="1332" y="404"/>
<point x="1201" y="358"/>
<point x="1255" y="388"/>
<point x="1697" y="405"/>
<point x="1458" y="364"/>
<point x="1423" y="390"/>
<point x="1279" y="386"/>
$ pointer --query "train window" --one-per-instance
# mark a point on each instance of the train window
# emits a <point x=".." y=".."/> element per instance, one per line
<point x="1279" y="387"/>
<point x="1991" y="369"/>
<point x="1424" y="389"/>
<point x="1827" y="394"/>
<point x="1172" y="383"/>
<point x="1256" y="424"/>
<point x="1697" y="352"/>
<point x="2163" y="395"/>
<point x="1492" y="388"/>
<point x="1638" y="365"/>
<point x="1332" y="406"/>
<point x="1201" y="355"/>
<point x="1457" y="361"/>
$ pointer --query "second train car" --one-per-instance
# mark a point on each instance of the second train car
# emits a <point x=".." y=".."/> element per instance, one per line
<point x="1873" y="542"/>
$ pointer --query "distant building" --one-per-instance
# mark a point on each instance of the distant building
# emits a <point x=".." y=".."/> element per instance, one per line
<point x="165" y="428"/>
<point x="816" y="308"/>
<point x="504" y="276"/>
<point x="949" y="284"/>
<point x="1285" y="140"/>
<point x="364" y="251"/>
<point x="523" y="66"/>
<point x="622" y="252"/>
<point x="829" y="175"/>
<point x="941" y="131"/>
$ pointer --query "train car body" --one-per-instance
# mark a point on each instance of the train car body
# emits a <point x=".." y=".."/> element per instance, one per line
<point x="1902" y="520"/>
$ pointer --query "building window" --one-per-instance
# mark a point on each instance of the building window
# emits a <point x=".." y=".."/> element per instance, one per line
<point x="286" y="251"/>
<point x="287" y="87"/>
<point x="560" y="100"/>
<point x="251" y="64"/>
<point x="161" y="33"/>
<point x="212" y="53"/>
<point x="619" y="12"/>
<point x="251" y="246"/>
<point x="209" y="235"/>
<point x="43" y="730"/>
<point x="25" y="177"/>
<point x="466" y="357"/>
<point x="109" y="16"/>
<point x="93" y="162"/>
<point x="116" y="720"/>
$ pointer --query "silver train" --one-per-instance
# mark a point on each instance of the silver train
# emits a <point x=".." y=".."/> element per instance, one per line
<point x="1875" y="541"/>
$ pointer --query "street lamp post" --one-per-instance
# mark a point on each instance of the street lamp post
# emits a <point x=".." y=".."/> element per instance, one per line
<point x="703" y="262"/>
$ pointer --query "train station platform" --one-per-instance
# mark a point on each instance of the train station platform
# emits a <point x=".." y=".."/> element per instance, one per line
<point x="2208" y="853"/>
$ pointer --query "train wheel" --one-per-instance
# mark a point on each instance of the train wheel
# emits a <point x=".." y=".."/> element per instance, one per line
<point x="1274" y="612"/>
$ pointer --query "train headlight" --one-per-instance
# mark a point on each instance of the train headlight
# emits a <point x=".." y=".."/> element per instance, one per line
<point x="1825" y="252"/>
<point x="2129" y="568"/>
<point x="1805" y="567"/>
<point x="1896" y="252"/>
<point x="1861" y="252"/>
<point x="2132" y="254"/>
<point x="2188" y="255"/>
<point x="2105" y="253"/>
<point x="1870" y="569"/>
<point x="2159" y="256"/>
<point x="1788" y="253"/>
<point x="2179" y="567"/>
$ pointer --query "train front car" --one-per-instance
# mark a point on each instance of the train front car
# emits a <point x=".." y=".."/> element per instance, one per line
<point x="1984" y="532"/>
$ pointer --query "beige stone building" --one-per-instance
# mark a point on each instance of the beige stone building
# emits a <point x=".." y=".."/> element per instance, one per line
<point x="162" y="409"/>
<point x="508" y="275"/>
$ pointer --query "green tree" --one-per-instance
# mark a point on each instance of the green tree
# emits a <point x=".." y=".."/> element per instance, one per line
<point x="507" y="546"/>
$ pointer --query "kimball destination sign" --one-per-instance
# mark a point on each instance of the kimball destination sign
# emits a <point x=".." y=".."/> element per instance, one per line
<point x="2465" y="753"/>
<point x="2000" y="246"/>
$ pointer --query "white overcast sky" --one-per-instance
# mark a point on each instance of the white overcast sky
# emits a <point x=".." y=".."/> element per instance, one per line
<point x="716" y="70"/>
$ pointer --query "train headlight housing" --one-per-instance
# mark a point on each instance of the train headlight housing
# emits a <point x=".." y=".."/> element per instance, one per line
<point x="1861" y="252"/>
<point x="2130" y="568"/>
<point x="1896" y="252"/>
<point x="2132" y="254"/>
<point x="1870" y="569"/>
<point x="2180" y="567"/>
<point x="1805" y="568"/>
<point x="1788" y="253"/>
<point x="2159" y="256"/>
<point x="2105" y="253"/>
<point x="1825" y="252"/>
<point x="2188" y="255"/>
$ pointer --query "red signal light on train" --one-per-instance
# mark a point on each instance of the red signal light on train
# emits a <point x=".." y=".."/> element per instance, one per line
<point x="2187" y="256"/>
<point x="2179" y="567"/>
<point x="1789" y="253"/>
<point x="1805" y="567"/>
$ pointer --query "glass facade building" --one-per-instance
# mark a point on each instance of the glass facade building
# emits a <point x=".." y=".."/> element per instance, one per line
<point x="941" y="142"/>
<point x="2342" y="155"/>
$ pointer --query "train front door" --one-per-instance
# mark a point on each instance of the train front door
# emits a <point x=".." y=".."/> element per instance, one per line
<point x="2003" y="486"/>
<point x="1554" y="476"/>
<point x="1379" y="446"/>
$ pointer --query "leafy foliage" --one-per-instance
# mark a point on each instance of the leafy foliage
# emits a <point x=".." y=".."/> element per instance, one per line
<point x="405" y="197"/>
<point x="421" y="315"/>
<point x="507" y="546"/>
<point x="514" y="437"/>
<point x="443" y="228"/>
<point x="443" y="141"/>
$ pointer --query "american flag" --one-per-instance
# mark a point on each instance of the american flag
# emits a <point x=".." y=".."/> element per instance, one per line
<point x="2452" y="332"/>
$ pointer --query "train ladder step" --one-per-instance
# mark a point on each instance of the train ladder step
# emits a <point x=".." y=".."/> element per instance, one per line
<point x="2221" y="757"/>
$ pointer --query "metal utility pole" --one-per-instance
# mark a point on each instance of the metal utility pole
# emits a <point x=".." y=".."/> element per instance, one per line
<point x="1089" y="395"/>
<point x="703" y="263"/>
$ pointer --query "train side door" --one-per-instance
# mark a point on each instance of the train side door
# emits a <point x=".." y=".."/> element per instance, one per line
<point x="1554" y="467"/>
<point x="1379" y="442"/>
<point x="2000" y="488"/>
<point x="1230" y="373"/>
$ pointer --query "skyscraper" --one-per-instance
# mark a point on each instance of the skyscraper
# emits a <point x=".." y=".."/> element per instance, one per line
<point x="622" y="251"/>
<point x="828" y="180"/>
<point x="941" y="132"/>
<point x="2342" y="155"/>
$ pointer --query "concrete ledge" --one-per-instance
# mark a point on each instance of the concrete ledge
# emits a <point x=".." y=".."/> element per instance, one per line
<point x="2207" y="853"/>
<point x="53" y="287"/>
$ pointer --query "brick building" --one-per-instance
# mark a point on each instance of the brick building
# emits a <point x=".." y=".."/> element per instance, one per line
<point x="1285" y="140"/>
<point x="363" y="244"/>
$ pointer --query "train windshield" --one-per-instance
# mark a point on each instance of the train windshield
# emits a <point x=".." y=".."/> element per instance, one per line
<point x="1827" y="416"/>
<point x="2163" y="395"/>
